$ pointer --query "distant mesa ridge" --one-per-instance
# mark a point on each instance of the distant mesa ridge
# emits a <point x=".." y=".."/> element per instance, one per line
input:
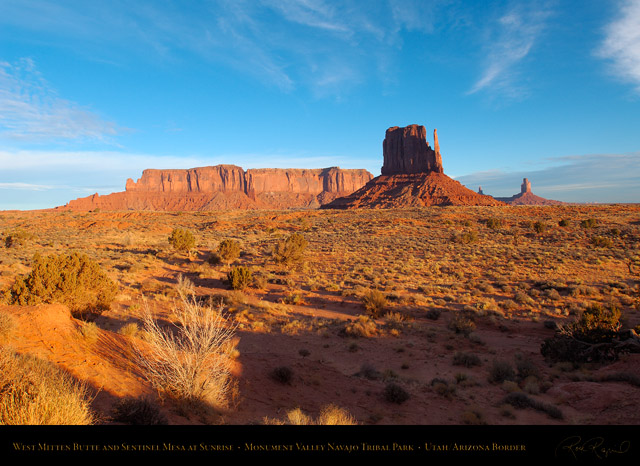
<point x="229" y="187"/>
<point x="412" y="176"/>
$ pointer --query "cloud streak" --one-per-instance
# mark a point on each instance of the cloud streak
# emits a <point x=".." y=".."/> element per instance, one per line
<point x="319" y="45"/>
<point x="508" y="42"/>
<point x="621" y="44"/>
<point x="31" y="111"/>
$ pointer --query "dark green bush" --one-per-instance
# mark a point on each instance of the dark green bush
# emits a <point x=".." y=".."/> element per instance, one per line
<point x="466" y="237"/>
<point x="563" y="223"/>
<point x="501" y="371"/>
<point x="282" y="374"/>
<point x="494" y="223"/>
<point x="591" y="338"/>
<point x="539" y="227"/>
<point x="182" y="239"/>
<point x="239" y="278"/>
<point x="596" y="324"/>
<point x="290" y="250"/>
<point x="589" y="223"/>
<point x="138" y="412"/>
<point x="394" y="393"/>
<point x="601" y="241"/>
<point x="73" y="280"/>
<point x="433" y="314"/>
<point x="466" y="359"/>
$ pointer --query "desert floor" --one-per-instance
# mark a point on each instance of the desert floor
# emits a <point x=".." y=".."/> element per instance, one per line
<point x="462" y="293"/>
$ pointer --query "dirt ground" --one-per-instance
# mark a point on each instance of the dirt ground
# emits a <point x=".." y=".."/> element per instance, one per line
<point x="513" y="282"/>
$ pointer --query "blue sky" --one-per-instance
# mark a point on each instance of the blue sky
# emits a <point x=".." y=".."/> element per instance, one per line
<point x="92" y="93"/>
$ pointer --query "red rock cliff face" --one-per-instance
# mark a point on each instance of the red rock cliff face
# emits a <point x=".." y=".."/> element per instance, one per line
<point x="229" y="187"/>
<point x="406" y="151"/>
<point x="221" y="178"/>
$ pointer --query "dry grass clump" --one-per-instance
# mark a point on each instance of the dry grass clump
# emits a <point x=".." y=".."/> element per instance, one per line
<point x="192" y="360"/>
<point x="71" y="279"/>
<point x="34" y="392"/>
<point x="473" y="417"/>
<point x="17" y="238"/>
<point x="461" y="324"/>
<point x="374" y="302"/>
<point x="363" y="326"/>
<point x="330" y="415"/>
<point x="520" y="400"/>
<point x="90" y="332"/>
<point x="8" y="325"/>
<point x="131" y="330"/>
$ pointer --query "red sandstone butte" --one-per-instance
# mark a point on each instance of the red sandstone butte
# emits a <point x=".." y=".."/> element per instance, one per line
<point x="224" y="187"/>
<point x="412" y="176"/>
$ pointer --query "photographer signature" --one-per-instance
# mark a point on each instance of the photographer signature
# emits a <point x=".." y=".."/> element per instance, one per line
<point x="593" y="446"/>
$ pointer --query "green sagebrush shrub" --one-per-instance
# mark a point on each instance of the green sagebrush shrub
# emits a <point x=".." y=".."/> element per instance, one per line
<point x="228" y="250"/>
<point x="290" y="250"/>
<point x="182" y="239"/>
<point x="239" y="278"/>
<point x="71" y="279"/>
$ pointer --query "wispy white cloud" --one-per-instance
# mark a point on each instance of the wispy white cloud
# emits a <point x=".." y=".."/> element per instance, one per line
<point x="26" y="186"/>
<point x="320" y="45"/>
<point x="30" y="110"/>
<point x="312" y="13"/>
<point x="621" y="44"/>
<point x="509" y="41"/>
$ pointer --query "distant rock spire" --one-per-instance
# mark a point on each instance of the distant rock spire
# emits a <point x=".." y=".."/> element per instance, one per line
<point x="525" y="187"/>
<point x="436" y="149"/>
<point x="480" y="190"/>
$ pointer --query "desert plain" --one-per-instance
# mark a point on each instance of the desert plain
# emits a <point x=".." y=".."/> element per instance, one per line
<point x="414" y="316"/>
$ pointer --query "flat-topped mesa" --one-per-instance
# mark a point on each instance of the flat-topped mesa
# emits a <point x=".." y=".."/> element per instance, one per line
<point x="229" y="187"/>
<point x="525" y="187"/>
<point x="406" y="151"/>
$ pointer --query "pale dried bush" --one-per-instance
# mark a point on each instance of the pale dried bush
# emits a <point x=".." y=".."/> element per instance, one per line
<point x="34" y="392"/>
<point x="333" y="415"/>
<point x="192" y="360"/>
<point x="364" y="326"/>
<point x="330" y="415"/>
<point x="8" y="325"/>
